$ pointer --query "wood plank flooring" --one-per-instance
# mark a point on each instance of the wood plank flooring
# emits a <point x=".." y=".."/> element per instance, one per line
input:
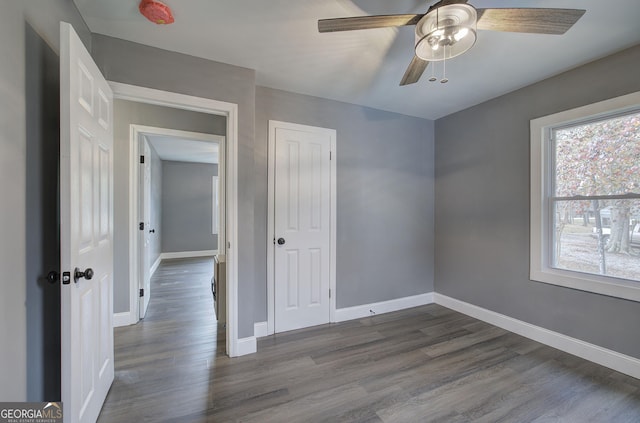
<point x="426" y="364"/>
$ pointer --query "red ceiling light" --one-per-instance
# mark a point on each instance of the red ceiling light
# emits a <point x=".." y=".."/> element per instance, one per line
<point x="156" y="12"/>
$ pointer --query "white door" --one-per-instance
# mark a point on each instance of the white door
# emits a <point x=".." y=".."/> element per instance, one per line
<point x="145" y="233"/>
<point x="301" y="228"/>
<point x="86" y="230"/>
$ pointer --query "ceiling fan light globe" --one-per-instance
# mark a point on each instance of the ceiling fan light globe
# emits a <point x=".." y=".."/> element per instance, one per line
<point x="434" y="42"/>
<point x="434" y="49"/>
<point x="446" y="32"/>
<point x="461" y="33"/>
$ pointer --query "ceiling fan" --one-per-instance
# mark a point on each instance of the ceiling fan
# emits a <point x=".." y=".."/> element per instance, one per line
<point x="448" y="29"/>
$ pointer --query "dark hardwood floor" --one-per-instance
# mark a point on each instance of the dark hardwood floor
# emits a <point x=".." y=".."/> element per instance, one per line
<point x="426" y="364"/>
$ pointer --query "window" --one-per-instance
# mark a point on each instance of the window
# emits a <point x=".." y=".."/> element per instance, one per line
<point x="585" y="198"/>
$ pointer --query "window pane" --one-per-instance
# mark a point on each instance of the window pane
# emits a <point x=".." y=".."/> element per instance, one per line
<point x="577" y="245"/>
<point x="598" y="158"/>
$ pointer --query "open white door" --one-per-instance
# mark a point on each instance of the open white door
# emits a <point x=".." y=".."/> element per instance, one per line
<point x="86" y="230"/>
<point x="146" y="231"/>
<point x="302" y="226"/>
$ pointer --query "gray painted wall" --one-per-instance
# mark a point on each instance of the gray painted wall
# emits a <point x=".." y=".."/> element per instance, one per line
<point x="43" y="220"/>
<point x="156" y="205"/>
<point x="127" y="113"/>
<point x="136" y="64"/>
<point x="385" y="195"/>
<point x="187" y="200"/>
<point x="29" y="131"/>
<point x="482" y="207"/>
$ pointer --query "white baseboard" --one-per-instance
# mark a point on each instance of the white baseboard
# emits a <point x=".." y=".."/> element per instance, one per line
<point x="365" y="310"/>
<point x="605" y="357"/>
<point x="122" y="319"/>
<point x="246" y="346"/>
<point x="155" y="265"/>
<point x="188" y="254"/>
<point x="260" y="329"/>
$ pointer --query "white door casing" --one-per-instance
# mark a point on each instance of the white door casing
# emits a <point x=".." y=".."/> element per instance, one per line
<point x="145" y="219"/>
<point x="228" y="214"/>
<point x="86" y="230"/>
<point x="303" y="205"/>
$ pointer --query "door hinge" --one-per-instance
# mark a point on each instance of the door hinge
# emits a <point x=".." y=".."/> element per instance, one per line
<point x="141" y="292"/>
<point x="141" y="159"/>
<point x="329" y="292"/>
<point x="141" y="226"/>
<point x="329" y="155"/>
<point x="274" y="240"/>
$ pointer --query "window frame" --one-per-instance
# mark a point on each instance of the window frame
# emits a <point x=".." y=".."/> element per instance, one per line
<point x="541" y="234"/>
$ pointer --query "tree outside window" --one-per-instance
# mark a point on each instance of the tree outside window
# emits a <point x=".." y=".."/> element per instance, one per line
<point x="595" y="197"/>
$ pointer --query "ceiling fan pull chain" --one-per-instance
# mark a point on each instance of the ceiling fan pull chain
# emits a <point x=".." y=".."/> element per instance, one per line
<point x="433" y="77"/>
<point x="444" y="79"/>
<point x="433" y="72"/>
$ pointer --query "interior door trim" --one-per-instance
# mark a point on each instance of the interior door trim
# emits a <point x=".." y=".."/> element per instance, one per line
<point x="230" y="110"/>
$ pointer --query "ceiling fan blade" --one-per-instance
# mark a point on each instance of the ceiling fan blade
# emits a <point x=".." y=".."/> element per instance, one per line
<point x="414" y="71"/>
<point x="366" y="22"/>
<point x="536" y="21"/>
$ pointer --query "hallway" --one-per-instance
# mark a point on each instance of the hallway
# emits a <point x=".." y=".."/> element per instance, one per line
<point x="163" y="364"/>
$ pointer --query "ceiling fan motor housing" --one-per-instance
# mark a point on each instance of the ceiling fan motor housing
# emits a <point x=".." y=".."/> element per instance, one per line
<point x="446" y="32"/>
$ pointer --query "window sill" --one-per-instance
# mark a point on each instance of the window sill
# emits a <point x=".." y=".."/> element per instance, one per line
<point x="603" y="285"/>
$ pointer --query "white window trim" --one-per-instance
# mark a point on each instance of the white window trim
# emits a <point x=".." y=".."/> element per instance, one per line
<point x="540" y="269"/>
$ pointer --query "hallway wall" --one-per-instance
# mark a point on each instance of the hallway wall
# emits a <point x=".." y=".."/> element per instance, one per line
<point x="187" y="206"/>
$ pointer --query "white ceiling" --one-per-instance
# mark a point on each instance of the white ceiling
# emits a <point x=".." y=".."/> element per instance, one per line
<point x="183" y="150"/>
<point x="279" y="39"/>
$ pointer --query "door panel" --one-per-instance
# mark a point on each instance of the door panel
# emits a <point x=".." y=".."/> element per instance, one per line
<point x="293" y="283"/>
<point x="86" y="230"/>
<point x="104" y="200"/>
<point x="302" y="212"/>
<point x="316" y="275"/>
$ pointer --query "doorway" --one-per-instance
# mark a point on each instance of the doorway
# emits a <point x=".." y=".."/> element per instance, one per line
<point x="301" y="247"/>
<point x="213" y="107"/>
<point x="180" y="199"/>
